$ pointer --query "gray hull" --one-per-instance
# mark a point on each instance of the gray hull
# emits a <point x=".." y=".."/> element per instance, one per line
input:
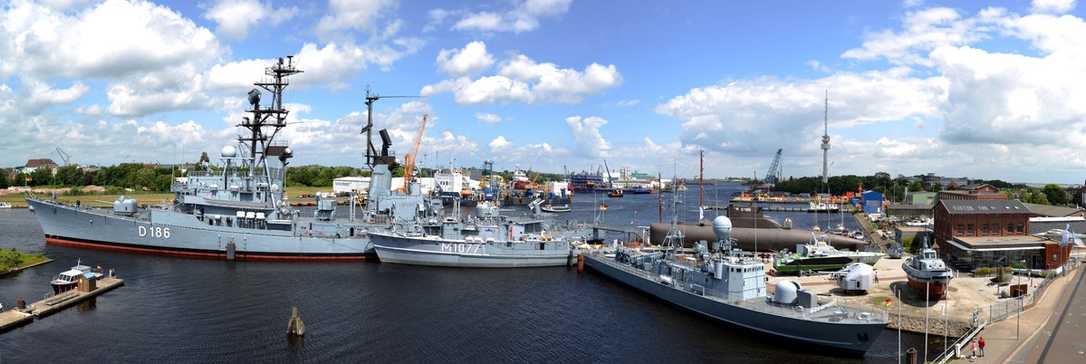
<point x="444" y="253"/>
<point x="854" y="338"/>
<point x="169" y="233"/>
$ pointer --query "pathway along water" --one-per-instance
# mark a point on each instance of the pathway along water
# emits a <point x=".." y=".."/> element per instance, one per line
<point x="215" y="311"/>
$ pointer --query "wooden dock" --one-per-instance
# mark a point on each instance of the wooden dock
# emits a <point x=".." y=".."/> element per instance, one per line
<point x="53" y="304"/>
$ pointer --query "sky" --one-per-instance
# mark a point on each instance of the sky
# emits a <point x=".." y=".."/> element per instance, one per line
<point x="978" y="89"/>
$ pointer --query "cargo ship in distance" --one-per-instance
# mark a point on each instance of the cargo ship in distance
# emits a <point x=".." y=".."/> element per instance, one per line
<point x="238" y="210"/>
<point x="726" y="286"/>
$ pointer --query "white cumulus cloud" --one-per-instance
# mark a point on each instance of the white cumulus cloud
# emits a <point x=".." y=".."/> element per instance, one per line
<point x="522" y="79"/>
<point x="523" y="17"/>
<point x="459" y="62"/>
<point x="236" y="17"/>
<point x="488" y="118"/>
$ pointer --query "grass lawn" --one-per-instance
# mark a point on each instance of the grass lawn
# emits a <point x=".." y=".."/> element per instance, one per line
<point x="11" y="259"/>
<point x="150" y="198"/>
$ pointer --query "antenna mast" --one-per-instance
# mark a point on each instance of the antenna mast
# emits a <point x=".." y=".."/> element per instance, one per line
<point x="371" y="151"/>
<point x="274" y="116"/>
<point x="826" y="141"/>
<point x="701" y="178"/>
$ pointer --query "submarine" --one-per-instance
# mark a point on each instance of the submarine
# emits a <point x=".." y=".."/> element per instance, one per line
<point x="750" y="225"/>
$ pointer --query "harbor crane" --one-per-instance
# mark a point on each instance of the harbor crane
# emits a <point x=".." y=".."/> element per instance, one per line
<point x="371" y="151"/>
<point x="774" y="174"/>
<point x="64" y="156"/>
<point x="409" y="159"/>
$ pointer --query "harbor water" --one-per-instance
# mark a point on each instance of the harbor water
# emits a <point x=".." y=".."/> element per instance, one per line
<point x="175" y="309"/>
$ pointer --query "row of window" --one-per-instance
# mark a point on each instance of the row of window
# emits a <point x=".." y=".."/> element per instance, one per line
<point x="993" y="229"/>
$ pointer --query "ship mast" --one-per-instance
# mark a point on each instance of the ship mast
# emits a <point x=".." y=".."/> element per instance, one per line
<point x="273" y="116"/>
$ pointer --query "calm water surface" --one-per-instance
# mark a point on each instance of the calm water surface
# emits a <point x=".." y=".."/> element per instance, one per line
<point x="174" y="309"/>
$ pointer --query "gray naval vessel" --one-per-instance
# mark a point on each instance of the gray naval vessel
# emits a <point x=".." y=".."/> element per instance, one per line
<point x="487" y="239"/>
<point x="726" y="286"/>
<point x="238" y="210"/>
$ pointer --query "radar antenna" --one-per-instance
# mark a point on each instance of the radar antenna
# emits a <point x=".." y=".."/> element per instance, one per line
<point x="371" y="152"/>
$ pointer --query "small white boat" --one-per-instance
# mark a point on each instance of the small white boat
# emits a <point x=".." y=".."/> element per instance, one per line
<point x="555" y="208"/>
<point x="5" y="205"/>
<point x="67" y="280"/>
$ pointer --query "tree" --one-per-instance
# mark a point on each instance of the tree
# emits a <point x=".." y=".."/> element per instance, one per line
<point x="916" y="186"/>
<point x="4" y="178"/>
<point x="1036" y="197"/>
<point x="1056" y="195"/>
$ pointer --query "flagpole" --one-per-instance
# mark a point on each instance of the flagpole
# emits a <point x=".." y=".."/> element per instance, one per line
<point x="899" y="358"/>
<point x="927" y="312"/>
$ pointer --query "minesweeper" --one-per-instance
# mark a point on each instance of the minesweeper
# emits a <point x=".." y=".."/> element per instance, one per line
<point x="238" y="210"/>
<point x="485" y="240"/>
<point x="727" y="286"/>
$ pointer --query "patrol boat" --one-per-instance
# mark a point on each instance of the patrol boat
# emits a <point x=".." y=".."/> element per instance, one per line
<point x="819" y="255"/>
<point x="485" y="240"/>
<point x="238" y="210"/>
<point x="727" y="286"/>
<point x="928" y="274"/>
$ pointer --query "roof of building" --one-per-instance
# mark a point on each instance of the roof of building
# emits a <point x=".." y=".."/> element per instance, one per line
<point x="1013" y="242"/>
<point x="970" y="192"/>
<point x="1052" y="211"/>
<point x="975" y="186"/>
<point x="40" y="162"/>
<point x="986" y="207"/>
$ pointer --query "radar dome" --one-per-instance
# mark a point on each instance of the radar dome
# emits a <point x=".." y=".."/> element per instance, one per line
<point x="229" y="151"/>
<point x="722" y="227"/>
<point x="786" y="292"/>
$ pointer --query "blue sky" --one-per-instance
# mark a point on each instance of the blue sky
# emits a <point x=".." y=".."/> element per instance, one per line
<point x="573" y="82"/>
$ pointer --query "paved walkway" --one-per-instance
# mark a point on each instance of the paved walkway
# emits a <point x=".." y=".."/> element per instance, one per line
<point x="1022" y="340"/>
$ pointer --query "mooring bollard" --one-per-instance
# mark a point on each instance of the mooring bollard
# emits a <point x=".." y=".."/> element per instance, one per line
<point x="20" y="303"/>
<point x="910" y="356"/>
<point x="580" y="263"/>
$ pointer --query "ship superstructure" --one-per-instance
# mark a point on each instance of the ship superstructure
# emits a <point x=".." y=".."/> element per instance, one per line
<point x="238" y="210"/>
<point x="724" y="284"/>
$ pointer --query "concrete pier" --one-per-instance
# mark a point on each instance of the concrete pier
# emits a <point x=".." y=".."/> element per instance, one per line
<point x="13" y="318"/>
<point x="64" y="300"/>
<point x="53" y="304"/>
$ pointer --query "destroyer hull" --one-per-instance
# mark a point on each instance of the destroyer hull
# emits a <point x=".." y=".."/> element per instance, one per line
<point x="404" y="250"/>
<point x="94" y="229"/>
<point x="848" y="338"/>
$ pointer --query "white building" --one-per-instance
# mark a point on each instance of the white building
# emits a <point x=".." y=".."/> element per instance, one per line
<point x="346" y="185"/>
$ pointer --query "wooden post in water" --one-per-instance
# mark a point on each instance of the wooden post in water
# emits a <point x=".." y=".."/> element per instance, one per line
<point x="295" y="327"/>
<point x="580" y="263"/>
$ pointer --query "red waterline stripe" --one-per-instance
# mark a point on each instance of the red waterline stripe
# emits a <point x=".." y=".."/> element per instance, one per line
<point x="200" y="255"/>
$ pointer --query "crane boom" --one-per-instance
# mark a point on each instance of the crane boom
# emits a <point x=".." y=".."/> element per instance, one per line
<point x="409" y="160"/>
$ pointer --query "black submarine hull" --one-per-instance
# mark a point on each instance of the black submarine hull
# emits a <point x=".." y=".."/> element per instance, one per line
<point x="768" y="239"/>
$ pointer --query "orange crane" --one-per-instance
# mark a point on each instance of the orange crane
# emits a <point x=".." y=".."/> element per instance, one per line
<point x="409" y="159"/>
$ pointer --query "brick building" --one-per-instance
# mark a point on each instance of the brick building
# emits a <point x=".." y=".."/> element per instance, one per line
<point x="986" y="233"/>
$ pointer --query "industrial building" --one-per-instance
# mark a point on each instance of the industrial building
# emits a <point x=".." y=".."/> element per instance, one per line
<point x="987" y="233"/>
<point x="872" y="202"/>
<point x="346" y="185"/>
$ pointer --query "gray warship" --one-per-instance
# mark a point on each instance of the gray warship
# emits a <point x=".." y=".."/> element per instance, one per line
<point x="724" y="285"/>
<point x="238" y="211"/>
<point x="484" y="240"/>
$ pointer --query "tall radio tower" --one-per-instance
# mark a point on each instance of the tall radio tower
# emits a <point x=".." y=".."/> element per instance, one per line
<point x="826" y="141"/>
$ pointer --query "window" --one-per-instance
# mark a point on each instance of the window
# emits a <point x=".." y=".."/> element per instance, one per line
<point x="959" y="230"/>
<point x="969" y="229"/>
<point x="1020" y="228"/>
<point x="1010" y="228"/>
<point x="984" y="229"/>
